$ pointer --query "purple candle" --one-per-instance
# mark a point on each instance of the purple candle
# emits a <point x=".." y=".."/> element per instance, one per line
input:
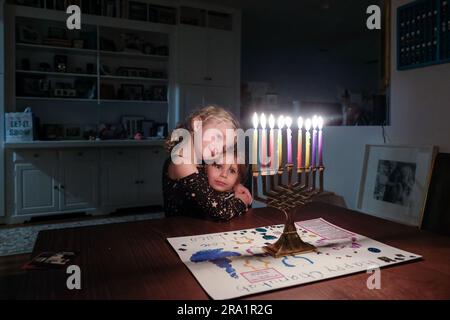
<point x="320" y="124"/>
<point x="314" y="142"/>
<point x="289" y="139"/>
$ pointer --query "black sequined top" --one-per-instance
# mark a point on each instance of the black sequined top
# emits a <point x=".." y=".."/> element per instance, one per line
<point x="193" y="196"/>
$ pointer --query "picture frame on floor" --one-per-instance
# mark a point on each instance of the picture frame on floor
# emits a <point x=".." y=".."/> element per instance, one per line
<point x="394" y="182"/>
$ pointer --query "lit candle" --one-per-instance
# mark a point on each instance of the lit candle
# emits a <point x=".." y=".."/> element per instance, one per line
<point x="320" y="125"/>
<point x="271" y="153"/>
<point x="263" y="122"/>
<point x="299" y="142"/>
<point x="314" y="142"/>
<point x="255" y="143"/>
<point x="280" y="124"/>
<point x="289" y="139"/>
<point x="308" y="143"/>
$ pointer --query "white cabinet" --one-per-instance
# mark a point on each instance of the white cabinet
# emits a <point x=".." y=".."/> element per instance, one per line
<point x="36" y="189"/>
<point x="119" y="176"/>
<point x="221" y="62"/>
<point x="50" y="182"/>
<point x="207" y="56"/>
<point x="132" y="177"/>
<point x="193" y="97"/>
<point x="192" y="54"/>
<point x="79" y="179"/>
<point x="151" y="161"/>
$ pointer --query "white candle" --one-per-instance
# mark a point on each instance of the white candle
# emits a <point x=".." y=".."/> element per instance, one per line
<point x="255" y="143"/>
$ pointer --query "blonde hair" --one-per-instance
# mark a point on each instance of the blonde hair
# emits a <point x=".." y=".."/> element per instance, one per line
<point x="205" y="115"/>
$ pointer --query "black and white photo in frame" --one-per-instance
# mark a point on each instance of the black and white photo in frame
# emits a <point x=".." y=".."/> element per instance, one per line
<point x="395" y="181"/>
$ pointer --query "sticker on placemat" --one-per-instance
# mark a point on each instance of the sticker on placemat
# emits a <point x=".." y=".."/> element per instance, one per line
<point x="232" y="264"/>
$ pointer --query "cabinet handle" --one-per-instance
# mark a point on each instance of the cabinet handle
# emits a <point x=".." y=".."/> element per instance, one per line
<point x="80" y="154"/>
<point x="36" y="155"/>
<point x="55" y="187"/>
<point x="62" y="187"/>
<point x="136" y="182"/>
<point x="120" y="153"/>
<point x="142" y="181"/>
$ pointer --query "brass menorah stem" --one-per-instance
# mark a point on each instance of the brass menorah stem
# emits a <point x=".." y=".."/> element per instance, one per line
<point x="286" y="197"/>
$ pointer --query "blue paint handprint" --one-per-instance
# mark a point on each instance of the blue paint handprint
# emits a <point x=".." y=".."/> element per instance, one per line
<point x="219" y="258"/>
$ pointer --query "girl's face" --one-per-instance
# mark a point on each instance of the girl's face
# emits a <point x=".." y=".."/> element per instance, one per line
<point x="222" y="177"/>
<point x="213" y="138"/>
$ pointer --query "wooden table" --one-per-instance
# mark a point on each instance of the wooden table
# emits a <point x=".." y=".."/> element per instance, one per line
<point x="134" y="260"/>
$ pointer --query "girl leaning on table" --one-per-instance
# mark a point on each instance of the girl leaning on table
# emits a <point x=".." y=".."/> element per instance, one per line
<point x="186" y="188"/>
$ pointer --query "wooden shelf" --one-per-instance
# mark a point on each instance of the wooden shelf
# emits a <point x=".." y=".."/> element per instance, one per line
<point x="58" y="74"/>
<point x="133" y="78"/>
<point x="56" y="99"/>
<point x="133" y="55"/>
<point x="29" y="46"/>
<point x="133" y="101"/>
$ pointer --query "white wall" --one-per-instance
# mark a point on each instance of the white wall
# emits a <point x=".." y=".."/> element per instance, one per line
<point x="2" y="100"/>
<point x="420" y="115"/>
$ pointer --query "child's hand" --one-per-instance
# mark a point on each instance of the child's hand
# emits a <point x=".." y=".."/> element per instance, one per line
<point x="242" y="193"/>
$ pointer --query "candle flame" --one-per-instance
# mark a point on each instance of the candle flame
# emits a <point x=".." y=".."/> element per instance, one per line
<point x="263" y="121"/>
<point x="255" y="121"/>
<point x="314" y="122"/>
<point x="308" y="124"/>
<point x="288" y="122"/>
<point x="280" y="122"/>
<point x="320" y="123"/>
<point x="300" y="122"/>
<point x="271" y="121"/>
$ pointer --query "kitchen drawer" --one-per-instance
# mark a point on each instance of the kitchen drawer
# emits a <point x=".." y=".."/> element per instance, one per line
<point x="118" y="154"/>
<point x="79" y="155"/>
<point x="30" y="156"/>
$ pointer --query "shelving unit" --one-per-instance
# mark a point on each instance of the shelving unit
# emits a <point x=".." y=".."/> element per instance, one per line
<point x="144" y="85"/>
<point x="423" y="36"/>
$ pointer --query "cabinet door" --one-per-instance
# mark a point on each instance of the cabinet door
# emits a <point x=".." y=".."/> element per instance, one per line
<point x="221" y="58"/>
<point x="223" y="97"/>
<point x="36" y="187"/>
<point x="151" y="161"/>
<point x="191" y="98"/>
<point x="192" y="54"/>
<point x="119" y="177"/>
<point x="79" y="179"/>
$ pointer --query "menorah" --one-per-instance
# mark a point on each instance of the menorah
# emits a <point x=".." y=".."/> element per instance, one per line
<point x="298" y="190"/>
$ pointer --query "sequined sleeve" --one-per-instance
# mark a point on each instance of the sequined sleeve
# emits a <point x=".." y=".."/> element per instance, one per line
<point x="213" y="204"/>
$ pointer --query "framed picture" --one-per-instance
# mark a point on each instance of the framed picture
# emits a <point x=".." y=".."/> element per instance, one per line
<point x="72" y="132"/>
<point x="394" y="182"/>
<point x="161" y="130"/>
<point x="132" y="91"/>
<point x="148" y="128"/>
<point x="28" y="34"/>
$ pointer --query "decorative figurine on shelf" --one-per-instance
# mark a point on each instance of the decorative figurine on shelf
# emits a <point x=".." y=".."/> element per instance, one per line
<point x="138" y="136"/>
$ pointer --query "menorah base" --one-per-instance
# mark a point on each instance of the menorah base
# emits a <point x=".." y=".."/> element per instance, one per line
<point x="289" y="243"/>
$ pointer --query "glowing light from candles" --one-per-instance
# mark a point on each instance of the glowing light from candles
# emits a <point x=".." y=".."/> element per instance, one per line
<point x="271" y="153"/>
<point x="289" y="139"/>
<point x="255" y="142"/>
<point x="263" y="122"/>
<point x="320" y="125"/>
<point x="314" y="141"/>
<point x="299" y="142"/>
<point x="280" y="123"/>
<point x="308" y="142"/>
